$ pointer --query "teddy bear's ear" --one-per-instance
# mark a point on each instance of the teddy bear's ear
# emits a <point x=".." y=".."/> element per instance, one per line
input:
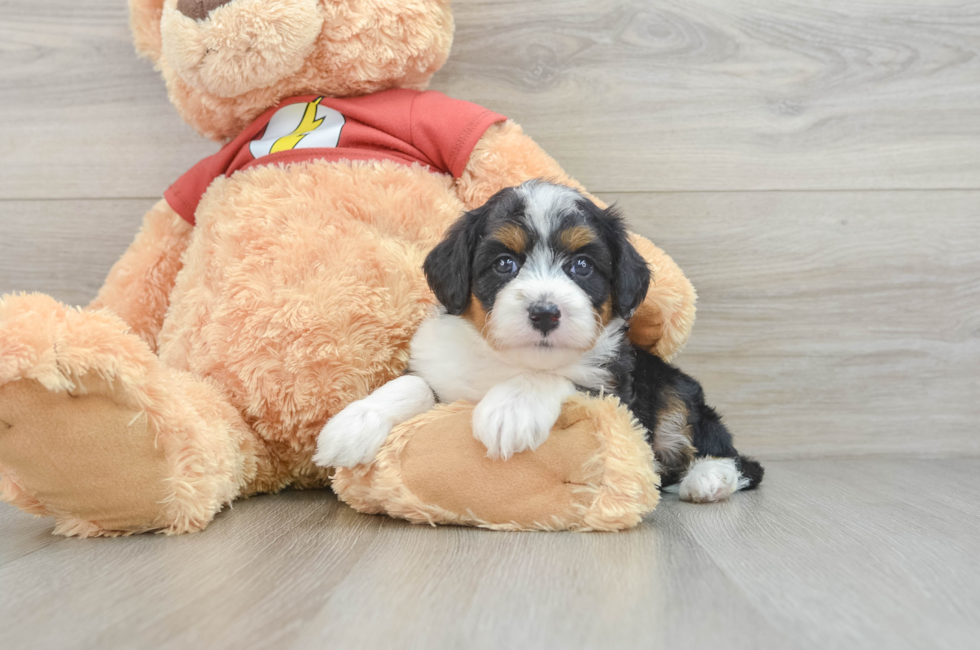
<point x="144" y="21"/>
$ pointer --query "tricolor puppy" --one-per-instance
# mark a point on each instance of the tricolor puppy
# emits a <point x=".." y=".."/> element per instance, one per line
<point x="536" y="288"/>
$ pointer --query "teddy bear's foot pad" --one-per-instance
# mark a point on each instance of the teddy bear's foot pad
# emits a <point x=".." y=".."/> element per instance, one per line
<point x="594" y="473"/>
<point x="81" y="456"/>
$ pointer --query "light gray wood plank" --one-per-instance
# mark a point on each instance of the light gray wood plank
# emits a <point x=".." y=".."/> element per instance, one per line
<point x="22" y="534"/>
<point x="300" y="570"/>
<point x="857" y="553"/>
<point x="720" y="95"/>
<point x="628" y="95"/>
<point x="831" y="323"/>
<point x="65" y="248"/>
<point x="185" y="576"/>
<point x="83" y="116"/>
<point x="645" y="588"/>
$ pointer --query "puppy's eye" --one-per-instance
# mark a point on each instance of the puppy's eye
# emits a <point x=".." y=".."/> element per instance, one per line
<point x="581" y="267"/>
<point x="505" y="265"/>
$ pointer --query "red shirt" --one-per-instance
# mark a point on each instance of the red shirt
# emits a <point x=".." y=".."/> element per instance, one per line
<point x="406" y="126"/>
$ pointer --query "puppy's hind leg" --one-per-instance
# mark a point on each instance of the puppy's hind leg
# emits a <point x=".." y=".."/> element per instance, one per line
<point x="354" y="436"/>
<point x="717" y="470"/>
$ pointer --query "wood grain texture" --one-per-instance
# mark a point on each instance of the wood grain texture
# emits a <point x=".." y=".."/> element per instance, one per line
<point x="82" y="115"/>
<point x="863" y="553"/>
<point x="21" y="534"/>
<point x="720" y="95"/>
<point x="65" y="248"/>
<point x="628" y="95"/>
<point x="831" y="323"/>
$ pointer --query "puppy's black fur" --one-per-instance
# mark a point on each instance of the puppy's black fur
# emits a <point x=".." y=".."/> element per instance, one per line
<point x="630" y="274"/>
<point x="448" y="267"/>
<point x="647" y="384"/>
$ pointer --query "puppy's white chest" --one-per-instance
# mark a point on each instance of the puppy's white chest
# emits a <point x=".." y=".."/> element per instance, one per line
<point x="455" y="360"/>
<point x="449" y="353"/>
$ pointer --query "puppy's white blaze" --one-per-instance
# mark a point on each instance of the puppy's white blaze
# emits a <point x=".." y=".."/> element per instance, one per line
<point x="544" y="202"/>
<point x="711" y="479"/>
<point x="542" y="279"/>
<point x="354" y="436"/>
<point x="540" y="265"/>
<point x="509" y="323"/>
<point x="518" y="414"/>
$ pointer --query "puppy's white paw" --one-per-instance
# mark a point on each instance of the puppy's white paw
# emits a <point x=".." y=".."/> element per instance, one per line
<point x="352" y="437"/>
<point x="508" y="424"/>
<point x="710" y="479"/>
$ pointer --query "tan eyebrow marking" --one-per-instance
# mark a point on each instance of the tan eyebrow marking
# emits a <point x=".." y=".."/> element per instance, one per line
<point x="577" y="237"/>
<point x="512" y="237"/>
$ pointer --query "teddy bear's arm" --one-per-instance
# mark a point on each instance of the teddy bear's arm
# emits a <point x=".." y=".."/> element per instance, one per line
<point x="505" y="156"/>
<point x="139" y="284"/>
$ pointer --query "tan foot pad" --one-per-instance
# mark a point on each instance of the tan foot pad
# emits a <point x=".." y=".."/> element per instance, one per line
<point x="83" y="457"/>
<point x="595" y="472"/>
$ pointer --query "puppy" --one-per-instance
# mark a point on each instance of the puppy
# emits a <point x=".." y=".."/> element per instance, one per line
<point x="536" y="288"/>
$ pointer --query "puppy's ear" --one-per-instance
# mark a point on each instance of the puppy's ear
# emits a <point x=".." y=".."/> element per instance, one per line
<point x="630" y="273"/>
<point x="632" y="279"/>
<point x="449" y="265"/>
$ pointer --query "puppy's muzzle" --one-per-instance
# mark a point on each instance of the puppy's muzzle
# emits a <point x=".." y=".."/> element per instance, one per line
<point x="544" y="316"/>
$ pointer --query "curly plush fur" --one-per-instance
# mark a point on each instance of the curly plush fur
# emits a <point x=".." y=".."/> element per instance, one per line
<point x="213" y="354"/>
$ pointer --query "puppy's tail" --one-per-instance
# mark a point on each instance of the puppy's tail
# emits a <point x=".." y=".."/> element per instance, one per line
<point x="751" y="470"/>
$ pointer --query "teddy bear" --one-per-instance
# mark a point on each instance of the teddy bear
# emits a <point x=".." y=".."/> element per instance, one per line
<point x="280" y="279"/>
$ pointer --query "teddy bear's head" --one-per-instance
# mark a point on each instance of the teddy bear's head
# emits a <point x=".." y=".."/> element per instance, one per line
<point x="226" y="61"/>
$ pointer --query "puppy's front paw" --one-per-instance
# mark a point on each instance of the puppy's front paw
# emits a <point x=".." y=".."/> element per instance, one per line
<point x="352" y="437"/>
<point x="507" y="426"/>
<point x="709" y="479"/>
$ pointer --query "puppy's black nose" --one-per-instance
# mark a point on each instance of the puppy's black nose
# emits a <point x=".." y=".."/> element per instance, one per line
<point x="544" y="316"/>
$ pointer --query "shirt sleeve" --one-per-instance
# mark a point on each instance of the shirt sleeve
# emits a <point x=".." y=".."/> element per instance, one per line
<point x="446" y="130"/>
<point x="186" y="192"/>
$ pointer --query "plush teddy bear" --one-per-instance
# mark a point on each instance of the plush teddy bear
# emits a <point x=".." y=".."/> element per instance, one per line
<point x="280" y="279"/>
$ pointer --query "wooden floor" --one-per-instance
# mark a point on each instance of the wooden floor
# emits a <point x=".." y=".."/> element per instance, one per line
<point x="830" y="554"/>
<point x="814" y="167"/>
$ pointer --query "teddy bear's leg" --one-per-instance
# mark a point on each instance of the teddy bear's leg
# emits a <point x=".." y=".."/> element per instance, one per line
<point x="595" y="472"/>
<point x="96" y="432"/>
<point x="139" y="285"/>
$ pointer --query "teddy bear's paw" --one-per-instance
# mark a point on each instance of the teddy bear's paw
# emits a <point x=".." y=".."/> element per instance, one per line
<point x="508" y="423"/>
<point x="710" y="479"/>
<point x="85" y="455"/>
<point x="352" y="437"/>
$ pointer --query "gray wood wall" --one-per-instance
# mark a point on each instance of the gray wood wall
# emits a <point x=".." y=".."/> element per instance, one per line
<point x="813" y="166"/>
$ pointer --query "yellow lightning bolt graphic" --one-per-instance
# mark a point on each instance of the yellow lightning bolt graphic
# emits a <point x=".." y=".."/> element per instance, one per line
<point x="307" y="124"/>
